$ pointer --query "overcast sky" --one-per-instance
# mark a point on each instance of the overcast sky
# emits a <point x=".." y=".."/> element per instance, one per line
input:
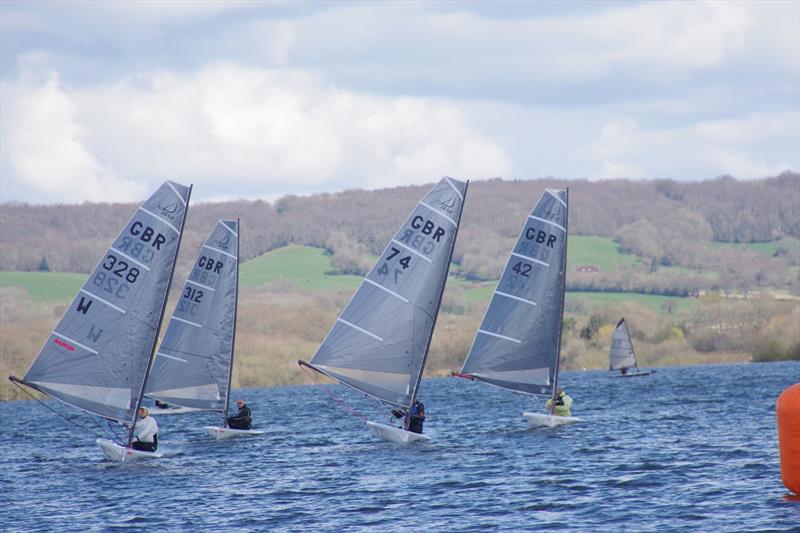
<point x="102" y="101"/>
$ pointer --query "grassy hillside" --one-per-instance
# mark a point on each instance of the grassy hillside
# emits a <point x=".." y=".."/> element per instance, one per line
<point x="602" y="252"/>
<point x="768" y="248"/>
<point x="308" y="268"/>
<point x="44" y="287"/>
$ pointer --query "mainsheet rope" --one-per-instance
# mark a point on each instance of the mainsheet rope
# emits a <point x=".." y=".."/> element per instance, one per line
<point x="49" y="408"/>
<point x="97" y="422"/>
<point x="344" y="405"/>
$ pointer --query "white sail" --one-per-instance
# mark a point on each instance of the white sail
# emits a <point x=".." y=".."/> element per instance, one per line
<point x="380" y="342"/>
<point x="193" y="364"/>
<point x="517" y="345"/>
<point x="97" y="357"/>
<point x="621" y="354"/>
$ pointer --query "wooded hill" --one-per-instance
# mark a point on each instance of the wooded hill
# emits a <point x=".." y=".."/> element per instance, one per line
<point x="674" y="228"/>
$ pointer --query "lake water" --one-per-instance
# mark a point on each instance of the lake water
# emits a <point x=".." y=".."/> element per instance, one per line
<point x="687" y="448"/>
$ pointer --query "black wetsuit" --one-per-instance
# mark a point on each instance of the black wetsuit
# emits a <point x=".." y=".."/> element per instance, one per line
<point x="416" y="417"/>
<point x="146" y="446"/>
<point x="242" y="420"/>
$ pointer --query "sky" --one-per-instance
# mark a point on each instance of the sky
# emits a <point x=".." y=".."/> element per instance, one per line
<point x="102" y="101"/>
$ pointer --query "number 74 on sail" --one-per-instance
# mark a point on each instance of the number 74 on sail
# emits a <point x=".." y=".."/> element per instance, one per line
<point x="379" y="344"/>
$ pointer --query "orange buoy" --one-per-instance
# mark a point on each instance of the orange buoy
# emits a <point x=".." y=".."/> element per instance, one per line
<point x="788" y="410"/>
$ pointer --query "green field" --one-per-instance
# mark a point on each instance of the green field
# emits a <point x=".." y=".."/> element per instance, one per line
<point x="764" y="248"/>
<point x="45" y="287"/>
<point x="474" y="292"/>
<point x="308" y="268"/>
<point x="602" y="252"/>
<point x="652" y="301"/>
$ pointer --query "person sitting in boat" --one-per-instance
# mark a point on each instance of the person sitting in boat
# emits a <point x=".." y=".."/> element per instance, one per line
<point x="624" y="370"/>
<point x="145" y="432"/>
<point x="162" y="405"/>
<point x="415" y="417"/>
<point x="560" y="404"/>
<point x="243" y="417"/>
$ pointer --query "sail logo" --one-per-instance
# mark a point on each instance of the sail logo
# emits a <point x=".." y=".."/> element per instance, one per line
<point x="448" y="206"/>
<point x="169" y="210"/>
<point x="224" y="242"/>
<point x="64" y="345"/>
<point x="553" y="213"/>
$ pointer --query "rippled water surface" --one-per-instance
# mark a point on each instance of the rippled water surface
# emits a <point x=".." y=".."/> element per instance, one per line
<point x="688" y="448"/>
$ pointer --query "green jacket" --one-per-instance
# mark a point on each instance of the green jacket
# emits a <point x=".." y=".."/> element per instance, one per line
<point x="561" y="410"/>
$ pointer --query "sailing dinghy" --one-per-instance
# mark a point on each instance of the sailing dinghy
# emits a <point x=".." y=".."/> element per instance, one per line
<point x="622" y="357"/>
<point x="98" y="356"/>
<point x="518" y="344"/>
<point x="193" y="365"/>
<point x="380" y="342"/>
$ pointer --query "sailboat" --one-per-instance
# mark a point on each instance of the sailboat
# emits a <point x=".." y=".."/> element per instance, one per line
<point x="518" y="344"/>
<point x="194" y="363"/>
<point x="98" y="356"/>
<point x="379" y="343"/>
<point x="622" y="357"/>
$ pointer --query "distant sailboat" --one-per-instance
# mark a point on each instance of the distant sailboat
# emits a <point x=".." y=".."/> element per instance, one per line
<point x="622" y="357"/>
<point x="194" y="363"/>
<point x="98" y="356"/>
<point x="518" y="344"/>
<point x="380" y="342"/>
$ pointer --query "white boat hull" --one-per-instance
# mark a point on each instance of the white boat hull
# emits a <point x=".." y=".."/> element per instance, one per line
<point x="393" y="434"/>
<point x="549" y="421"/>
<point x="171" y="410"/>
<point x="632" y="374"/>
<point x="220" y="433"/>
<point x="120" y="454"/>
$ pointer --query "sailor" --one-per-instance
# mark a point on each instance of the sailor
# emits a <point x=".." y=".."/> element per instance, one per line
<point x="243" y="417"/>
<point x="560" y="404"/>
<point x="415" y="418"/>
<point x="162" y="405"/>
<point x="146" y="432"/>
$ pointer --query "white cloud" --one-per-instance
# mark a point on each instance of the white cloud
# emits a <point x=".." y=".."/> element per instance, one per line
<point x="739" y="147"/>
<point x="261" y="131"/>
<point x="46" y="149"/>
<point x="257" y="99"/>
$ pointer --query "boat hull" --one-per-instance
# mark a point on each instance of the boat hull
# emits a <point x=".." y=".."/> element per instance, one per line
<point x="393" y="434"/>
<point x="120" y="454"/>
<point x="549" y="421"/>
<point x="632" y="374"/>
<point x="220" y="433"/>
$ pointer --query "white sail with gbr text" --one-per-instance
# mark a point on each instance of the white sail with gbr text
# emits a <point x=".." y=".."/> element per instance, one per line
<point x="97" y="357"/>
<point x="380" y="342"/>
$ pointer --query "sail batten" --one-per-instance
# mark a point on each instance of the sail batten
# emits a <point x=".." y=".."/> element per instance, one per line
<point x="517" y="344"/>
<point x="379" y="343"/>
<point x="96" y="359"/>
<point x="193" y="364"/>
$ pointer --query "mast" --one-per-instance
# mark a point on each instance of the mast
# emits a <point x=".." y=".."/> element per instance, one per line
<point x="438" y="303"/>
<point x="160" y="322"/>
<point x="233" y="336"/>
<point x="563" y="295"/>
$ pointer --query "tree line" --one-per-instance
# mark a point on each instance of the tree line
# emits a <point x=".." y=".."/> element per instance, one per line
<point x="665" y="222"/>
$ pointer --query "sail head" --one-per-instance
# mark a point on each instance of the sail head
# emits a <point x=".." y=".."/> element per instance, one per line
<point x="379" y="343"/>
<point x="97" y="357"/>
<point x="193" y="364"/>
<point x="516" y="346"/>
